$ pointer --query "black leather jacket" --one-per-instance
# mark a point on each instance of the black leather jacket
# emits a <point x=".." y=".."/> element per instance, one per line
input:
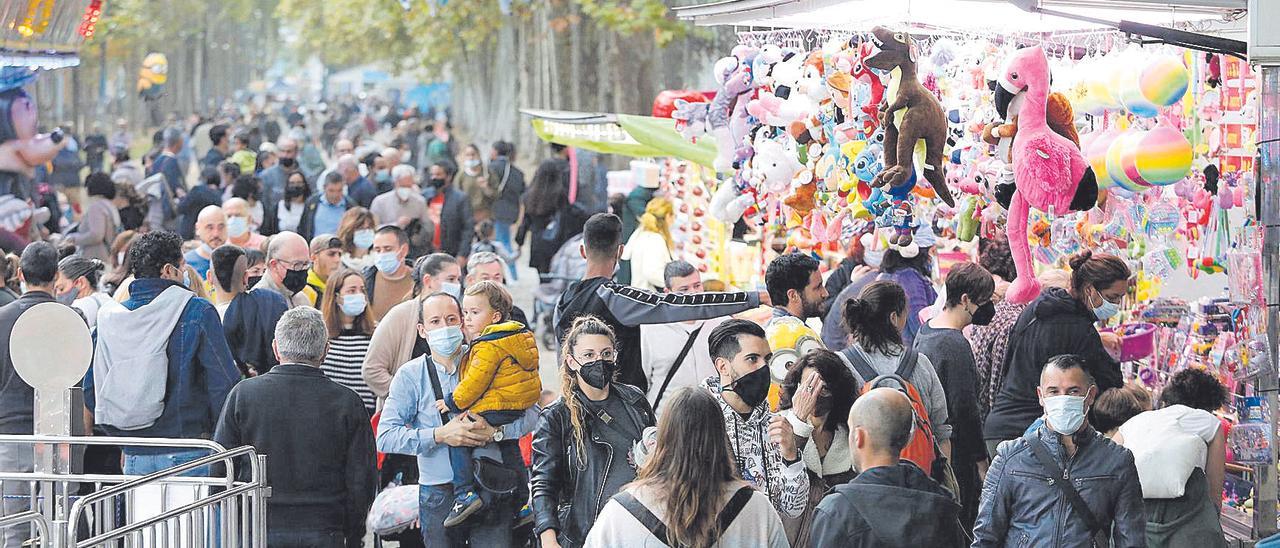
<point x="568" y="490"/>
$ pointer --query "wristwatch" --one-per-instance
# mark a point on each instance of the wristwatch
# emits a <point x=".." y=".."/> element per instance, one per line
<point x="498" y="435"/>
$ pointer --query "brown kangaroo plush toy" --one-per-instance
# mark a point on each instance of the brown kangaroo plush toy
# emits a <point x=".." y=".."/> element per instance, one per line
<point x="923" y="118"/>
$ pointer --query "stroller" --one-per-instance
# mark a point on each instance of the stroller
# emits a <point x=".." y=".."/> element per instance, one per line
<point x="567" y="266"/>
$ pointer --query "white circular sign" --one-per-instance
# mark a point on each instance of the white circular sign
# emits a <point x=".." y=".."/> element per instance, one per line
<point x="51" y="347"/>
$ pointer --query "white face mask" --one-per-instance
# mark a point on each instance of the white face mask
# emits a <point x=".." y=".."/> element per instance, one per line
<point x="1065" y="414"/>
<point x="403" y="193"/>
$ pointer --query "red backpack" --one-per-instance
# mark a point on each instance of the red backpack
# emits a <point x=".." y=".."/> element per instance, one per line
<point x="923" y="447"/>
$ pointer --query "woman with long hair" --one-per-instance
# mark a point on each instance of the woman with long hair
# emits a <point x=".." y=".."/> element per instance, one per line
<point x="875" y="320"/>
<point x="346" y="315"/>
<point x="649" y="249"/>
<point x="821" y="422"/>
<point x="583" y="444"/>
<point x="356" y="232"/>
<point x="690" y="488"/>
<point x="914" y="273"/>
<point x="1059" y="321"/>
<point x="296" y="192"/>
<point x="546" y="198"/>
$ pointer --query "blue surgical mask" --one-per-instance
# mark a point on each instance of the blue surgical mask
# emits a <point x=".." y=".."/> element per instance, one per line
<point x="68" y="297"/>
<point x="445" y="340"/>
<point x="452" y="289"/>
<point x="387" y="262"/>
<point x="363" y="238"/>
<point x="186" y="278"/>
<point x="1106" y="310"/>
<point x="237" y="226"/>
<point x="1065" y="414"/>
<point x="353" y="305"/>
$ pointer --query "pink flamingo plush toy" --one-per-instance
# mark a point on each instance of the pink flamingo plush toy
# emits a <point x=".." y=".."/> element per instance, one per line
<point x="1051" y="173"/>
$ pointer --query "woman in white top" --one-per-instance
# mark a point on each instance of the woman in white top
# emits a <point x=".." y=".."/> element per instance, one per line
<point x="289" y="210"/>
<point x="77" y="286"/>
<point x="690" y="476"/>
<point x="821" y="421"/>
<point x="649" y="248"/>
<point x="1180" y="451"/>
<point x="356" y="232"/>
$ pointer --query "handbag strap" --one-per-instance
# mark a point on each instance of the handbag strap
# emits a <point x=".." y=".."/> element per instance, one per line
<point x="659" y="530"/>
<point x="675" y="366"/>
<point x="420" y="344"/>
<point x="1060" y="478"/>
<point x="502" y="185"/>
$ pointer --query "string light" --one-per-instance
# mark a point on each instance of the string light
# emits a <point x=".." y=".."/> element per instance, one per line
<point x="89" y="21"/>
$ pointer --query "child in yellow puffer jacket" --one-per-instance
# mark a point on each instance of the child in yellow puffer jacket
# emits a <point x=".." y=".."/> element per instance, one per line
<point x="498" y="381"/>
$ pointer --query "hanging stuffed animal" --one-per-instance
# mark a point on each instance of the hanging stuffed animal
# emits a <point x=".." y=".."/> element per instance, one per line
<point x="1058" y="114"/>
<point x="1051" y="173"/>
<point x="862" y="73"/>
<point x="923" y="118"/>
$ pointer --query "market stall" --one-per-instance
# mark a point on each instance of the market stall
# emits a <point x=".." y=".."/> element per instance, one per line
<point x="846" y="117"/>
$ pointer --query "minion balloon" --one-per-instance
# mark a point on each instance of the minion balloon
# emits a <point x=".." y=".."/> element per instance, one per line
<point x="789" y="338"/>
<point x="152" y="77"/>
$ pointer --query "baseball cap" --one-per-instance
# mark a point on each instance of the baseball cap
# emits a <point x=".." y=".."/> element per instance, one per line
<point x="325" y="242"/>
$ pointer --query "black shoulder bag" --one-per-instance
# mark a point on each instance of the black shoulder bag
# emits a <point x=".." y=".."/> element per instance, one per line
<point x="1060" y="478"/>
<point x="659" y="529"/>
<point x="675" y="366"/>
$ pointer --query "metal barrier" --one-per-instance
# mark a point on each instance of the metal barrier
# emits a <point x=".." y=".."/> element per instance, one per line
<point x="171" y="507"/>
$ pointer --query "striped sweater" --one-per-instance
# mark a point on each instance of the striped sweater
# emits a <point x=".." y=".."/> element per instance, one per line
<point x="343" y="363"/>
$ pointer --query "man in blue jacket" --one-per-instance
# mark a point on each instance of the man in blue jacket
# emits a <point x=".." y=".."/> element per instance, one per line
<point x="144" y="385"/>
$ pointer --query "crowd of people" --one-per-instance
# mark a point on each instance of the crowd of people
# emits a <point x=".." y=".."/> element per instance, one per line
<point x="332" y="289"/>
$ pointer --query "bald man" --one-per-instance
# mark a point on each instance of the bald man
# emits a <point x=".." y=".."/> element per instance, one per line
<point x="211" y="230"/>
<point x="288" y="261"/>
<point x="358" y="187"/>
<point x="891" y="502"/>
<point x="239" y="223"/>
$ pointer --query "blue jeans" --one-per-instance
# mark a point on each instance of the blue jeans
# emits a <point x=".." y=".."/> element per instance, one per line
<point x="502" y="231"/>
<point x="460" y="458"/>
<point x="141" y="465"/>
<point x="491" y="529"/>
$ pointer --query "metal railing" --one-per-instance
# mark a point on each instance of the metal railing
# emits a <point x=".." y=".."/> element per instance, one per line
<point x="196" y="503"/>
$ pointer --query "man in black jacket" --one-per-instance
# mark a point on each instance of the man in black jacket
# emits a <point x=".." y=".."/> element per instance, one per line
<point x="626" y="308"/>
<point x="17" y="398"/>
<point x="508" y="181"/>
<point x="315" y="432"/>
<point x="890" y="502"/>
<point x="450" y="210"/>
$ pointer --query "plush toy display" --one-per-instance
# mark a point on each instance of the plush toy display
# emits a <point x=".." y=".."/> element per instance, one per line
<point x="21" y="150"/>
<point x="923" y="119"/>
<point x="1050" y="171"/>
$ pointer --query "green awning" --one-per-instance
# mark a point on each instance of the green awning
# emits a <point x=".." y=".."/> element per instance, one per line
<point x="635" y="136"/>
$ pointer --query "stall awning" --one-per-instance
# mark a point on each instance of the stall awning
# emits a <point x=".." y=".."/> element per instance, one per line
<point x="996" y="16"/>
<point x="625" y="134"/>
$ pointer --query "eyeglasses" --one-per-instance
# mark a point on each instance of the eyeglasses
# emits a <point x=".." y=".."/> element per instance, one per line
<point x="296" y="265"/>
<point x="589" y="356"/>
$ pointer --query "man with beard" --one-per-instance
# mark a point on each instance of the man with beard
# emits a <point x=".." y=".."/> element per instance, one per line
<point x="795" y="286"/>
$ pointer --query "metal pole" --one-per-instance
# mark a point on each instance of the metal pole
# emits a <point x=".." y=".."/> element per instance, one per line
<point x="1268" y="181"/>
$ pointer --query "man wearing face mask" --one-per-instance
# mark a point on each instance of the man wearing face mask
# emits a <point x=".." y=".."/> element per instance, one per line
<point x="288" y="261"/>
<point x="762" y="442"/>
<point x="211" y="230"/>
<point x="161" y="364"/>
<point x="449" y="212"/>
<point x="389" y="281"/>
<point x="970" y="289"/>
<point x="405" y="207"/>
<point x="239" y="225"/>
<point x="889" y="499"/>
<point x="274" y="177"/>
<point x="1062" y="484"/>
<point x="411" y="424"/>
<point x="358" y="187"/>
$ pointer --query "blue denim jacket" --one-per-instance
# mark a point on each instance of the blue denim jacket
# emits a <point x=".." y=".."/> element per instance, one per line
<point x="1021" y="506"/>
<point x="410" y="418"/>
<point x="201" y="371"/>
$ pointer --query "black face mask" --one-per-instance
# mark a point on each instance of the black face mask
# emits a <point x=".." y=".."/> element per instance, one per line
<point x="598" y="373"/>
<point x="753" y="387"/>
<point x="438" y="183"/>
<point x="288" y="162"/>
<point x="252" y="281"/>
<point x="984" y="314"/>
<point x="295" y="280"/>
<point x="822" y="406"/>
<point x="295" y="192"/>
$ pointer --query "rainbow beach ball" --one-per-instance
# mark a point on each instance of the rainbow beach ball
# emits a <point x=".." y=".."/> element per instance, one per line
<point x="1163" y="156"/>
<point x="1122" y="161"/>
<point x="1164" y="81"/>
<point x="1095" y="151"/>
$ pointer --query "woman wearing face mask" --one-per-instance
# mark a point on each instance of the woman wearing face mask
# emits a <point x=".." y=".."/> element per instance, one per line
<point x="255" y="269"/>
<point x="816" y="396"/>
<point x="875" y="320"/>
<point x="346" y="316"/>
<point x="582" y="448"/>
<point x="296" y="192"/>
<point x="77" y="286"/>
<point x="1059" y="321"/>
<point x="473" y="180"/>
<point x="970" y="289"/>
<point x="356" y="232"/>
<point x="261" y="216"/>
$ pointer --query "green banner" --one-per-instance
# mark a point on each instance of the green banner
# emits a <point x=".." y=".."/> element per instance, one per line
<point x="635" y="136"/>
<point x="660" y="133"/>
